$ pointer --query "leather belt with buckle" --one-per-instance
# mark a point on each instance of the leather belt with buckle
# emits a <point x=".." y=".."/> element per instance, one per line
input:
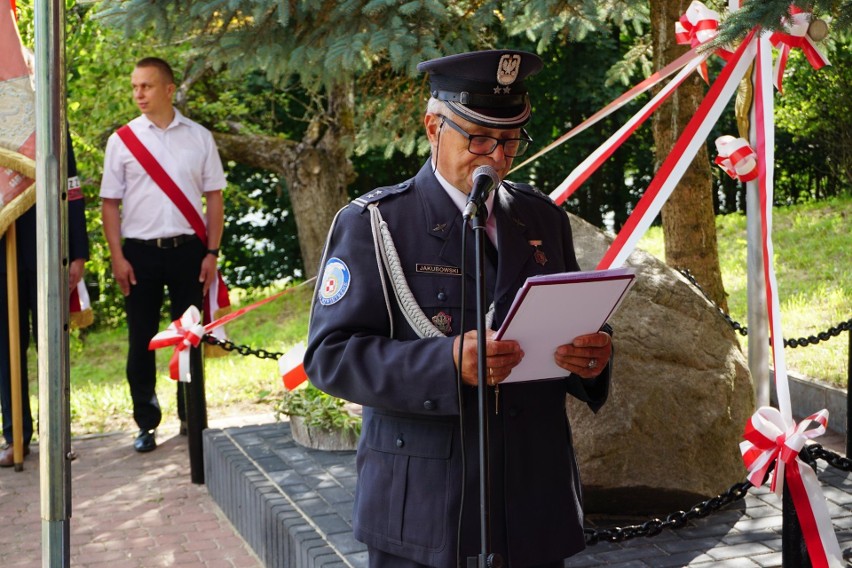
<point x="165" y="242"/>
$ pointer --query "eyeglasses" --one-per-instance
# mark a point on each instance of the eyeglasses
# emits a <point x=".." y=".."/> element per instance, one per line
<point x="484" y="145"/>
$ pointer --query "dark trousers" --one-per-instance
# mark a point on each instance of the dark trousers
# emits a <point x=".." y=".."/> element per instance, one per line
<point x="27" y="303"/>
<point x="175" y="269"/>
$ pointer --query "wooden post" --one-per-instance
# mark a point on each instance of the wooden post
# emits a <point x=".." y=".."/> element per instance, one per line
<point x="14" y="346"/>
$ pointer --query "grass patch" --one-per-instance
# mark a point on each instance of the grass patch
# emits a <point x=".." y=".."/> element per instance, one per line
<point x="813" y="266"/>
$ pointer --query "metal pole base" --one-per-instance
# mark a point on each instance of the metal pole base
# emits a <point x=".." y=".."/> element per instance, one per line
<point x="493" y="560"/>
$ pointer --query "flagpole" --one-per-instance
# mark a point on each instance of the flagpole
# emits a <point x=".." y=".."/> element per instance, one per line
<point x="14" y="346"/>
<point x="52" y="264"/>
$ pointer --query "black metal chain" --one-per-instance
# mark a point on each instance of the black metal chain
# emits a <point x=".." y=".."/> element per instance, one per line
<point x="743" y="330"/>
<point x="243" y="350"/>
<point x="679" y="519"/>
<point x="834" y="460"/>
<point x="674" y="520"/>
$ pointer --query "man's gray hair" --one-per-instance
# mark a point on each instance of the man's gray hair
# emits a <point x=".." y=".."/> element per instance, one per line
<point x="435" y="106"/>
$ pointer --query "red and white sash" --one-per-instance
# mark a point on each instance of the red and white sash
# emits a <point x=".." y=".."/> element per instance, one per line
<point x="216" y="302"/>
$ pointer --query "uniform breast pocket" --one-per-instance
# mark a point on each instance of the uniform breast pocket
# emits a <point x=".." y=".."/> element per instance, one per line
<point x="437" y="294"/>
<point x="404" y="480"/>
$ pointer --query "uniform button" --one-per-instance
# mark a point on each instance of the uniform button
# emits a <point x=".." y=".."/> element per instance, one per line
<point x="442" y="296"/>
<point x="429" y="405"/>
<point x="513" y="412"/>
<point x="502" y="299"/>
<point x="400" y="442"/>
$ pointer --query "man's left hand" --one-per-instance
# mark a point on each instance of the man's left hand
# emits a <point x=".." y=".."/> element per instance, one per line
<point x="586" y="356"/>
<point x="208" y="271"/>
<point x="75" y="272"/>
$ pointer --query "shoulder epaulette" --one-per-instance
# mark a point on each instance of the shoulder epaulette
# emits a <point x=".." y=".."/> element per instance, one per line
<point x="528" y="190"/>
<point x="382" y="192"/>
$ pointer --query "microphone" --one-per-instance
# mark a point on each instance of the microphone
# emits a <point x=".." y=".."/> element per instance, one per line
<point x="485" y="179"/>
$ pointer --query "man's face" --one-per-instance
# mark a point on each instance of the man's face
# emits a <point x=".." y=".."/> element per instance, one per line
<point x="151" y="91"/>
<point x="455" y="162"/>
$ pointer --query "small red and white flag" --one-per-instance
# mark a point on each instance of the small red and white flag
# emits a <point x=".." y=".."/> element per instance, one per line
<point x="291" y="367"/>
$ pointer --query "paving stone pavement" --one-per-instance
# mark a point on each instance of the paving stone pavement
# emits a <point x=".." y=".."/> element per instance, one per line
<point x="128" y="509"/>
<point x="141" y="510"/>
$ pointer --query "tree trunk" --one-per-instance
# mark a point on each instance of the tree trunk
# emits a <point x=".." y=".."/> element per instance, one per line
<point x="316" y="169"/>
<point x="689" y="225"/>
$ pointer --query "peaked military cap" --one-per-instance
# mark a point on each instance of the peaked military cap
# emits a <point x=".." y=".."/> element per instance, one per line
<point x="484" y="87"/>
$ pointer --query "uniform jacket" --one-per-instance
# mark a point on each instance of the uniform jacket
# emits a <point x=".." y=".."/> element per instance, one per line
<point x="412" y="475"/>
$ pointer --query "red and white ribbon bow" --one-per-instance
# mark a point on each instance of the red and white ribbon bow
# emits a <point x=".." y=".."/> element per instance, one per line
<point x="795" y="34"/>
<point x="698" y="25"/>
<point x="737" y="158"/>
<point x="770" y="439"/>
<point x="183" y="333"/>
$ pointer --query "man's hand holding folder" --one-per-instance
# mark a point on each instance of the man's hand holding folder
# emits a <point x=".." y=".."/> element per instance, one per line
<point x="556" y="320"/>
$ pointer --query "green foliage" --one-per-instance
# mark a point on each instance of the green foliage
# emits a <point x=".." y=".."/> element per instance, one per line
<point x="260" y="237"/>
<point x="814" y="119"/>
<point x="319" y="410"/>
<point x="561" y="21"/>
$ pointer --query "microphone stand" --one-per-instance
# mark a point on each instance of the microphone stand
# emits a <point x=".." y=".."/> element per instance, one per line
<point x="485" y="558"/>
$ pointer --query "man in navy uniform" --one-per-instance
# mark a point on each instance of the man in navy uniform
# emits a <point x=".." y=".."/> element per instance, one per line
<point x="384" y="333"/>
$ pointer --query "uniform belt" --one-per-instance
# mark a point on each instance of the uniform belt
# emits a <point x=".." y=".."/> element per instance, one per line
<point x="164" y="242"/>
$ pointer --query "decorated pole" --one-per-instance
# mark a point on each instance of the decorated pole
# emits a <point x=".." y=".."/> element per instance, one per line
<point x="52" y="263"/>
<point x="758" y="328"/>
<point x="14" y="346"/>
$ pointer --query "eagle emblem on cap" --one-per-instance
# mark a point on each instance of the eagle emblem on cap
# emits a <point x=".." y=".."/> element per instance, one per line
<point x="507" y="68"/>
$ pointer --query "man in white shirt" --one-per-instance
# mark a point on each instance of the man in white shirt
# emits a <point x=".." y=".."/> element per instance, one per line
<point x="161" y="247"/>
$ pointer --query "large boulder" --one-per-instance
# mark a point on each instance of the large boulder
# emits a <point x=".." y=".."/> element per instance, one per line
<point x="681" y="395"/>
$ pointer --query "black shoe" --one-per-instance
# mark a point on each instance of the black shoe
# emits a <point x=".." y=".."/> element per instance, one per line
<point x="145" y="441"/>
<point x="182" y="430"/>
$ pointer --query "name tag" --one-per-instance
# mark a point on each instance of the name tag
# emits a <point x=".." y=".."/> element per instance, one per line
<point x="437" y="269"/>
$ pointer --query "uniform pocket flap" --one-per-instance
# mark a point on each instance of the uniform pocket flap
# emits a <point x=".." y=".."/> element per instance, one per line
<point x="410" y="437"/>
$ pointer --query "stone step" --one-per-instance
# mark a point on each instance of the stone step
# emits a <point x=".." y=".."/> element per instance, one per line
<point x="292" y="505"/>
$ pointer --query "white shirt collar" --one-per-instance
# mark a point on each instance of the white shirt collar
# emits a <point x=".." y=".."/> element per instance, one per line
<point x="460" y="199"/>
<point x="178" y="119"/>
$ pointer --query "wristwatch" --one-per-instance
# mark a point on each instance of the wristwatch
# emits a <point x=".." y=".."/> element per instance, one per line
<point x="214" y="252"/>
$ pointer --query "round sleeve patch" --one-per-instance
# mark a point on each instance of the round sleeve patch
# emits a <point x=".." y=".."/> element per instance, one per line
<point x="335" y="282"/>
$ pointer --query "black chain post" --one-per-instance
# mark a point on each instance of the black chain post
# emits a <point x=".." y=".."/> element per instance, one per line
<point x="848" y="389"/>
<point x="196" y="415"/>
